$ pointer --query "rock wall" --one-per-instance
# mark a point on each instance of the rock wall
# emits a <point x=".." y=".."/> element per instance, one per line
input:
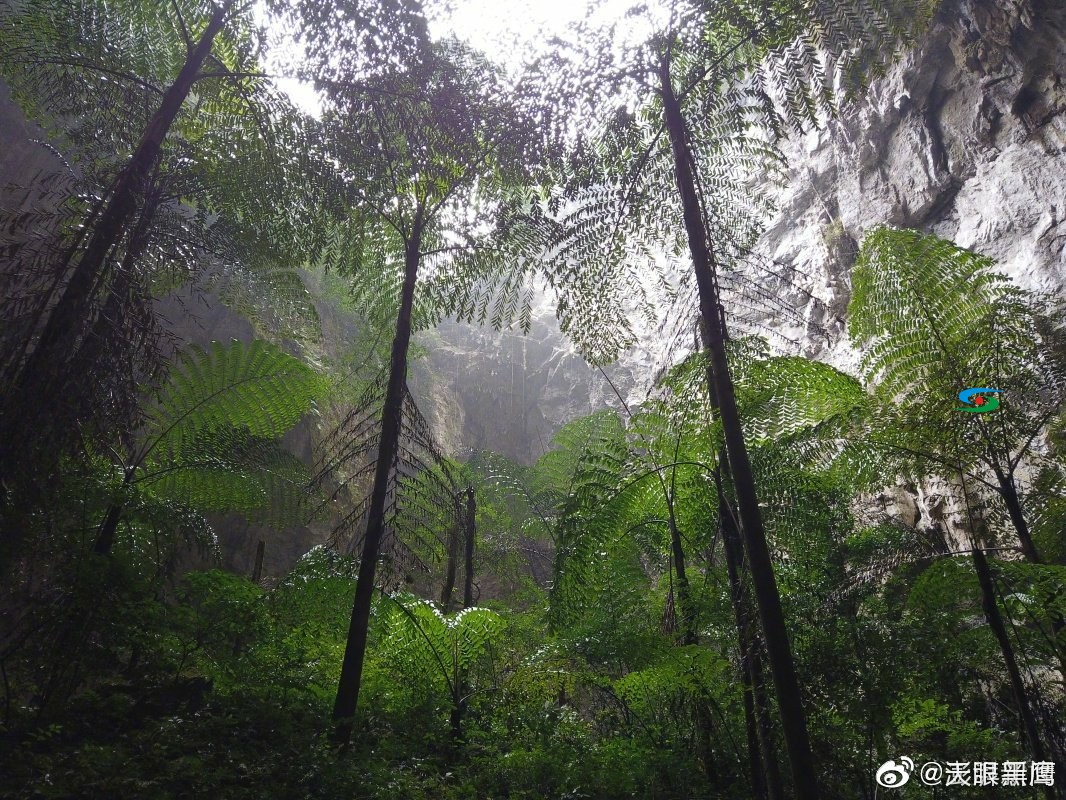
<point x="510" y="391"/>
<point x="965" y="137"/>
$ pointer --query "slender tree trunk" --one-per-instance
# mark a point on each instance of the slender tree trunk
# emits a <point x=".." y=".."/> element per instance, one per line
<point x="774" y="781"/>
<point x="105" y="534"/>
<point x="704" y="721"/>
<point x="758" y="779"/>
<point x="684" y="593"/>
<point x="462" y="686"/>
<point x="451" y="570"/>
<point x="779" y="651"/>
<point x="257" y="570"/>
<point x="65" y="321"/>
<point x="986" y="580"/>
<point x="1009" y="492"/>
<point x="455" y="719"/>
<point x="762" y="760"/>
<point x="468" y="565"/>
<point x="355" y="648"/>
<point x="1030" y="730"/>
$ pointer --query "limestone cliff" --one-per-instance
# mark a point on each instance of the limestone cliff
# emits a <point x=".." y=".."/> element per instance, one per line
<point x="510" y="391"/>
<point x="965" y="137"/>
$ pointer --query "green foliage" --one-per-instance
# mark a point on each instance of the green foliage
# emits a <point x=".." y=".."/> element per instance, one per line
<point x="211" y="437"/>
<point x="743" y="73"/>
<point x="680" y="676"/>
<point x="255" y="387"/>
<point x="438" y="153"/>
<point x="931" y="727"/>
<point x="127" y="675"/>
<point x="443" y="655"/>
<point x="785" y="397"/>
<point x="274" y="297"/>
<point x="937" y="319"/>
<point x="91" y="74"/>
<point x="932" y="313"/>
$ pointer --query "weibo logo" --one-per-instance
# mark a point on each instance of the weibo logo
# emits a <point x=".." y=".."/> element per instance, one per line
<point x="976" y="402"/>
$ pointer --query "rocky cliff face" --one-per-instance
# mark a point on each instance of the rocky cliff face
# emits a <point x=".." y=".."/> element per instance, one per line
<point x="510" y="392"/>
<point x="965" y="137"/>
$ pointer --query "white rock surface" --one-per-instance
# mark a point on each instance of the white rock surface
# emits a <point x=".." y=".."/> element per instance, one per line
<point x="964" y="137"/>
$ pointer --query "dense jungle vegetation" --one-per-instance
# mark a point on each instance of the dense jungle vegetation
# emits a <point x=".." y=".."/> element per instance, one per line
<point x="725" y="590"/>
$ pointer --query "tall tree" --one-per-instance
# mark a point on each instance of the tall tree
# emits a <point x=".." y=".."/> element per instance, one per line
<point x="116" y="211"/>
<point x="938" y="319"/>
<point x="469" y="543"/>
<point x="149" y="102"/>
<point x="435" y="152"/>
<point x="708" y="84"/>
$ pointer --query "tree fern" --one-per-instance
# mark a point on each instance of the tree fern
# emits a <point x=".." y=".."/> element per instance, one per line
<point x="147" y="101"/>
<point x="701" y="54"/>
<point x="420" y="642"/>
<point x="253" y="387"/>
<point x="429" y="148"/>
<point x="799" y="416"/>
<point x="743" y="73"/>
<point x="428" y="642"/>
<point x="422" y="499"/>
<point x="210" y="438"/>
<point x="937" y="319"/>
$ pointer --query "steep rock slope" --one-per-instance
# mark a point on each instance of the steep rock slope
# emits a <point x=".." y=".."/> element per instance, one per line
<point x="510" y="391"/>
<point x="965" y="137"/>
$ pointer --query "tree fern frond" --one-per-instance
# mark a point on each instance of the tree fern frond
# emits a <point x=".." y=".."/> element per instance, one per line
<point x="224" y="469"/>
<point x="420" y="641"/>
<point x="786" y="394"/>
<point x="254" y="387"/>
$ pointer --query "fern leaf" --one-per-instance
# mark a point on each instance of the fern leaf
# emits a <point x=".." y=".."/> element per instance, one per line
<point x="254" y="387"/>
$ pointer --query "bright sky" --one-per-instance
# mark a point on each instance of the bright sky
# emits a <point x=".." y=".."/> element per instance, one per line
<point x="504" y="29"/>
<point x="507" y="31"/>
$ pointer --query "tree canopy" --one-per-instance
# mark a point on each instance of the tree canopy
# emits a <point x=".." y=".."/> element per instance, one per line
<point x="242" y="552"/>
